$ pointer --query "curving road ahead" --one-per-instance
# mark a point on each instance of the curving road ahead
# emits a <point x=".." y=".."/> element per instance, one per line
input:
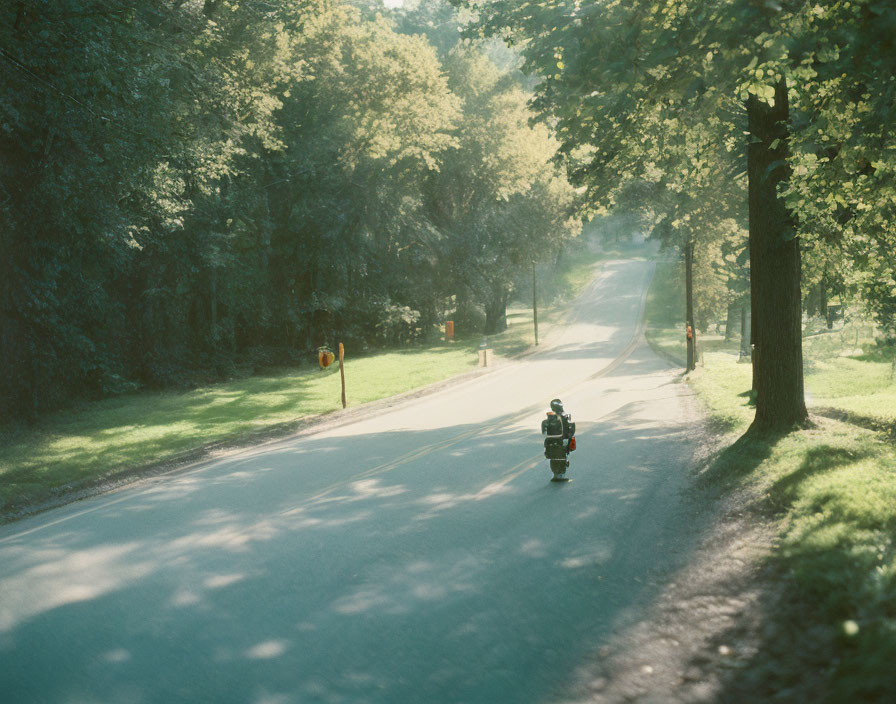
<point x="415" y="555"/>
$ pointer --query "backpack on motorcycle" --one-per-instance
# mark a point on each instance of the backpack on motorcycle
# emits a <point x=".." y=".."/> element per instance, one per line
<point x="552" y="426"/>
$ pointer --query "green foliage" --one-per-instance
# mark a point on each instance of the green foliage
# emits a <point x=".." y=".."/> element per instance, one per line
<point x="497" y="201"/>
<point x="641" y="126"/>
<point x="648" y="100"/>
<point x="187" y="186"/>
<point x="109" y="148"/>
<point x="844" y="186"/>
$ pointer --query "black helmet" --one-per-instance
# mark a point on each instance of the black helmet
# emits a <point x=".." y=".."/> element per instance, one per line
<point x="557" y="406"/>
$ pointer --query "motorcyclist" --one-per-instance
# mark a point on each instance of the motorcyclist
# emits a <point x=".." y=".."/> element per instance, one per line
<point x="559" y="432"/>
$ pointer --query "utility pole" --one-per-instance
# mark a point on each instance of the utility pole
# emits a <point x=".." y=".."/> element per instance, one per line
<point x="342" y="371"/>
<point x="535" y="303"/>
<point x="689" y="305"/>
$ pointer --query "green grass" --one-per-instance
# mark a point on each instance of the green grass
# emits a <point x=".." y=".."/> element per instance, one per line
<point x="846" y="381"/>
<point x="79" y="446"/>
<point x="833" y="490"/>
<point x="82" y="444"/>
<point x="863" y="388"/>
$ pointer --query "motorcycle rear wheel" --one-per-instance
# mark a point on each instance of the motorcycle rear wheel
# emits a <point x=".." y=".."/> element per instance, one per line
<point x="559" y="466"/>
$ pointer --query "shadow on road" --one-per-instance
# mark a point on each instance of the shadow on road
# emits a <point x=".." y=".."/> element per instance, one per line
<point x="450" y="572"/>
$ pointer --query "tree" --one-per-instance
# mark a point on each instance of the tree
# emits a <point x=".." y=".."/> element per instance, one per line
<point x="105" y="136"/>
<point x="146" y="191"/>
<point x="499" y="169"/>
<point x="345" y="196"/>
<point x="188" y="187"/>
<point x="843" y="189"/>
<point x="607" y="65"/>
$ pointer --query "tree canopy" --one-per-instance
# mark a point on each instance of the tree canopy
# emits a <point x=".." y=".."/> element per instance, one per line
<point x="190" y="186"/>
<point x="772" y="117"/>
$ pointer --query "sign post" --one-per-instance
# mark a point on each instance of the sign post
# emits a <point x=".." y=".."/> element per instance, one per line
<point x="689" y="306"/>
<point x="535" y="303"/>
<point x="325" y="357"/>
<point x="342" y="370"/>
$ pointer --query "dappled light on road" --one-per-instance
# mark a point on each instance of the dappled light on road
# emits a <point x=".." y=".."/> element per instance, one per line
<point x="387" y="560"/>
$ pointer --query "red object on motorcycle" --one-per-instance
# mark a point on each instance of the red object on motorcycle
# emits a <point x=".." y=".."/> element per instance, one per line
<point x="572" y="444"/>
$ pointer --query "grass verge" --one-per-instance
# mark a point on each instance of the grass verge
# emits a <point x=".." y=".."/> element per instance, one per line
<point x="831" y="493"/>
<point x="80" y="446"/>
<point x="848" y="383"/>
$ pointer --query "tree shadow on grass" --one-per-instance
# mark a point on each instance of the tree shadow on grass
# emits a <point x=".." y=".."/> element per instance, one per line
<point x="887" y="426"/>
<point x="750" y="395"/>
<point x="809" y="596"/>
<point x="817" y="460"/>
<point x="735" y="464"/>
<point x="793" y="644"/>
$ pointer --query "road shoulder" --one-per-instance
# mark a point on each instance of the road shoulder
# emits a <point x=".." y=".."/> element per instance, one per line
<point x="705" y="619"/>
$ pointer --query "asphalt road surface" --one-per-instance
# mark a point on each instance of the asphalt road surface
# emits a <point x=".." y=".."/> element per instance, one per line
<point x="419" y="554"/>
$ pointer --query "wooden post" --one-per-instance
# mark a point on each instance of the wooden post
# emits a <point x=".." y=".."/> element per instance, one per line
<point x="689" y="306"/>
<point x="342" y="371"/>
<point x="535" y="303"/>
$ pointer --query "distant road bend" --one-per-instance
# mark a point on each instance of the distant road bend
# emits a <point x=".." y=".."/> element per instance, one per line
<point x="417" y="555"/>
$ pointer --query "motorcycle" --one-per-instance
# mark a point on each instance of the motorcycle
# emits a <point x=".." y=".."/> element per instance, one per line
<point x="559" y="441"/>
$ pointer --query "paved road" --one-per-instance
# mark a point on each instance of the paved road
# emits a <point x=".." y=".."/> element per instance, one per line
<point x="417" y="555"/>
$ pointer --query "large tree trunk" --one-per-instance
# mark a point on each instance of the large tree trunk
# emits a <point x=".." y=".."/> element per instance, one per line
<point x="774" y="271"/>
<point x="496" y="314"/>
<point x="754" y="206"/>
<point x="732" y="320"/>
